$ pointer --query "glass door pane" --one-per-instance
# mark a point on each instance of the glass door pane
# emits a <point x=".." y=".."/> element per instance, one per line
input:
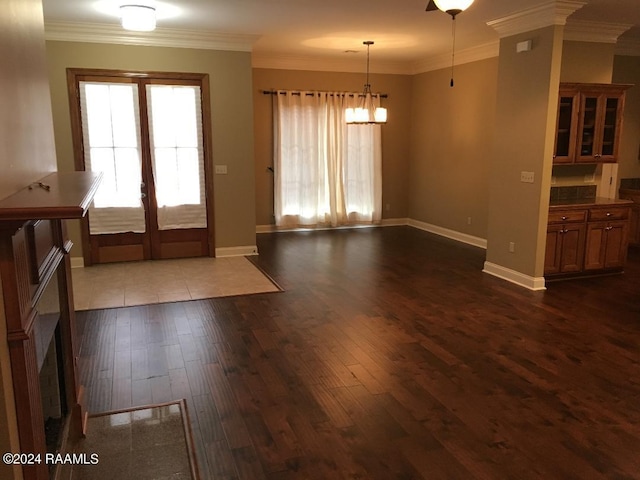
<point x="110" y="126"/>
<point x="609" y="127"/>
<point x="565" y="118"/>
<point x="588" y="127"/>
<point x="175" y="133"/>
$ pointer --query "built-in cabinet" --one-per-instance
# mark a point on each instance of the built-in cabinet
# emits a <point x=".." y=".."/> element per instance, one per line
<point x="589" y="123"/>
<point x="35" y="278"/>
<point x="565" y="242"/>
<point x="586" y="239"/>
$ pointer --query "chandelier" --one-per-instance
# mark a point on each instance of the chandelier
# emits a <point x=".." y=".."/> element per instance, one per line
<point x="366" y="112"/>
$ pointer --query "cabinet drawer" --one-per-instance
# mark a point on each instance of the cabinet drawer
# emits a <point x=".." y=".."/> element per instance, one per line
<point x="561" y="216"/>
<point x="599" y="214"/>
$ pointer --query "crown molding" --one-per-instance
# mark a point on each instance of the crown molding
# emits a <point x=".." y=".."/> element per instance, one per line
<point x="554" y="12"/>
<point x="473" y="54"/>
<point x="161" y="37"/>
<point x="349" y="64"/>
<point x="590" y="31"/>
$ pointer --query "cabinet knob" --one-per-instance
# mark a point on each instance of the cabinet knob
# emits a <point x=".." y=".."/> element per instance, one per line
<point x="609" y="228"/>
<point x="609" y="214"/>
<point x="564" y="218"/>
<point x="597" y="155"/>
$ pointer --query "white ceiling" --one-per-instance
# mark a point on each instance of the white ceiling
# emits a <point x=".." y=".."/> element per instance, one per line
<point x="403" y="32"/>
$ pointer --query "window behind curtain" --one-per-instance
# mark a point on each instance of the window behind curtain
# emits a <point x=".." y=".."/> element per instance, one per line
<point x="327" y="173"/>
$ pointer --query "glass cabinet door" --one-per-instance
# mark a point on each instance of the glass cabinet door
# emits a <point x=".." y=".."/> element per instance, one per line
<point x="587" y="131"/>
<point x="609" y="128"/>
<point x="588" y="122"/>
<point x="599" y="130"/>
<point x="568" y="104"/>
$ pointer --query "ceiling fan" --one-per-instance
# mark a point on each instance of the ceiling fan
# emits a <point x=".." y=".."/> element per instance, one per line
<point x="431" y="6"/>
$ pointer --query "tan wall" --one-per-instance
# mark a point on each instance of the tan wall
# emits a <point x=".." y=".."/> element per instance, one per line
<point x="587" y="62"/>
<point x="26" y="153"/>
<point x="231" y="112"/>
<point x="451" y="137"/>
<point x="627" y="70"/>
<point x="524" y="140"/>
<point x="395" y="134"/>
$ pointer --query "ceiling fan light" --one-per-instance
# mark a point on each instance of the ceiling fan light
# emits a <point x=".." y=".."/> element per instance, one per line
<point x="453" y="5"/>
<point x="140" y="18"/>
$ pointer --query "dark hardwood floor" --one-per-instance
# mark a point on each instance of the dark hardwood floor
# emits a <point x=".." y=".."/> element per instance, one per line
<point x="389" y="355"/>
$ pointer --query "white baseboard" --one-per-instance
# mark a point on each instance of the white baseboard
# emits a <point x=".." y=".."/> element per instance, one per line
<point x="77" y="262"/>
<point x="526" y="281"/>
<point x="452" y="234"/>
<point x="242" y="251"/>
<point x="265" y="228"/>
<point x="273" y="228"/>
<point x="394" y="222"/>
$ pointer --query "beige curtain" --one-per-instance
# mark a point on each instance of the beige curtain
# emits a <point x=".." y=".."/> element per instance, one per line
<point x="327" y="173"/>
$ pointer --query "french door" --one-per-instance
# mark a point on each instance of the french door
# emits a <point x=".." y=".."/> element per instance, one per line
<point x="149" y="136"/>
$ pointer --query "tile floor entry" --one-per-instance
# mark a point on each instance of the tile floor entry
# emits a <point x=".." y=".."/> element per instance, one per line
<point x="158" y="281"/>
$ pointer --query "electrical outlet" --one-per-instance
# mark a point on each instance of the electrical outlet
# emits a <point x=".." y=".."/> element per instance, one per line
<point x="526" y="177"/>
<point x="221" y="169"/>
<point x="387" y="207"/>
<point x="589" y="178"/>
<point x="512" y="247"/>
<point x="468" y="220"/>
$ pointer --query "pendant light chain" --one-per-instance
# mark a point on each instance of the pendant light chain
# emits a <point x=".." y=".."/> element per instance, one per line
<point x="453" y="8"/>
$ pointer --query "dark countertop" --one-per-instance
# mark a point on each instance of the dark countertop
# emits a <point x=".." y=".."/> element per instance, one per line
<point x="589" y="202"/>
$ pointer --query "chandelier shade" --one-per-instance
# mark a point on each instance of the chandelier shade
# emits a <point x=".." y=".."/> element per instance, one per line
<point x="139" y="18"/>
<point x="366" y="112"/>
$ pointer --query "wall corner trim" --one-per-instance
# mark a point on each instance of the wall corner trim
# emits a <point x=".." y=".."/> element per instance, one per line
<point x="526" y="281"/>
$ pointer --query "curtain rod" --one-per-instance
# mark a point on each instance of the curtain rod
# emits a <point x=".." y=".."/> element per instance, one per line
<point x="311" y="94"/>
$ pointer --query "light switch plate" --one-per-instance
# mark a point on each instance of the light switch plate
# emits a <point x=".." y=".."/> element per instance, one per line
<point x="526" y="177"/>
<point x="221" y="169"/>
